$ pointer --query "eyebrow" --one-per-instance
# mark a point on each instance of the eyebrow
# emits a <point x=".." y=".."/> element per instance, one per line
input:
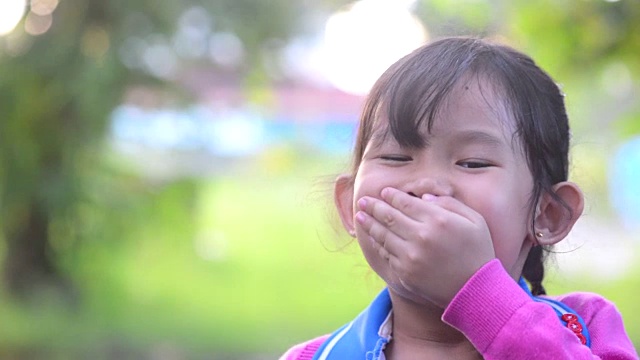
<point x="479" y="137"/>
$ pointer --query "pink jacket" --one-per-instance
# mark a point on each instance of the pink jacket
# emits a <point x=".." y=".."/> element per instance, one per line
<point x="503" y="322"/>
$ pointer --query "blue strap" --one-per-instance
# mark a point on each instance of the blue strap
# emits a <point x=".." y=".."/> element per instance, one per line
<point x="560" y="309"/>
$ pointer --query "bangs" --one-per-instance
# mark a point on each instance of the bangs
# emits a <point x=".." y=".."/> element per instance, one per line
<point x="410" y="95"/>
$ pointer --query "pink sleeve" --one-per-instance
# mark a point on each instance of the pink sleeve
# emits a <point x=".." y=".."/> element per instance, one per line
<point x="502" y="321"/>
<point x="305" y="350"/>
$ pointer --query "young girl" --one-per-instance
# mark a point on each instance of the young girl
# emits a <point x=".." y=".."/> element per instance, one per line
<point x="459" y="183"/>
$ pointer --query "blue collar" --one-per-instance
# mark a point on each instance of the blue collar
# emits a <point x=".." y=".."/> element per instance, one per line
<point x="361" y="336"/>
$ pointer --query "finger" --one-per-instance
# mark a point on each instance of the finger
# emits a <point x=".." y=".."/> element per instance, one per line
<point x="389" y="217"/>
<point x="422" y="210"/>
<point x="453" y="205"/>
<point x="415" y="208"/>
<point x="381" y="250"/>
<point x="380" y="235"/>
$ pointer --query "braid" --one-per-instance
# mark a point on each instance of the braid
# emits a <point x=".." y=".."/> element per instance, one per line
<point x="533" y="270"/>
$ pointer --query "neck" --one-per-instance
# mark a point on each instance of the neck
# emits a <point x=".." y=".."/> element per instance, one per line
<point x="418" y="329"/>
<point x="421" y="321"/>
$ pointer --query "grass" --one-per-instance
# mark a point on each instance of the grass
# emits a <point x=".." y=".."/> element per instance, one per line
<point x="252" y="266"/>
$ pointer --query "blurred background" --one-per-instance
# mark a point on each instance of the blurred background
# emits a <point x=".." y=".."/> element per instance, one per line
<point x="166" y="166"/>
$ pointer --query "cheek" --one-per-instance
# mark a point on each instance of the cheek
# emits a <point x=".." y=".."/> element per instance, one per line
<point x="507" y="215"/>
<point x="369" y="183"/>
<point x="377" y="263"/>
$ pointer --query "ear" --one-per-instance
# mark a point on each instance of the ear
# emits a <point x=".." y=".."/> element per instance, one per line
<point x="553" y="219"/>
<point x="343" y="198"/>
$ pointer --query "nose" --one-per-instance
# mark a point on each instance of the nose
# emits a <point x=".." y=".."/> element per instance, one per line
<point x="433" y="186"/>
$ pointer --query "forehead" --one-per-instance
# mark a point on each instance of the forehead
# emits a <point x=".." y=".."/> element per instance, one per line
<point x="473" y="105"/>
<point x="476" y="101"/>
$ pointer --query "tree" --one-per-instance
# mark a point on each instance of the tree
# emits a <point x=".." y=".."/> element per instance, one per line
<point x="57" y="91"/>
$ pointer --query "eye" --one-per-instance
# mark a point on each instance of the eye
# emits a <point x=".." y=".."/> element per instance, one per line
<point x="473" y="164"/>
<point x="395" y="158"/>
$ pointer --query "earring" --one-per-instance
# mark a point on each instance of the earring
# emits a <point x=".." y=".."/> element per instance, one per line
<point x="539" y="234"/>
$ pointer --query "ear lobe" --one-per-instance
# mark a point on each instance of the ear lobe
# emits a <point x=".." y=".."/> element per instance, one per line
<point x="343" y="198"/>
<point x="554" y="220"/>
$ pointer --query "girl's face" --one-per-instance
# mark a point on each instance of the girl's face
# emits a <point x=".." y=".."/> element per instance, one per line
<point x="471" y="156"/>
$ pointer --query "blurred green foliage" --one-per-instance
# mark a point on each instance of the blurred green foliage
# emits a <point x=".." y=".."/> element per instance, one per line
<point x="57" y="91"/>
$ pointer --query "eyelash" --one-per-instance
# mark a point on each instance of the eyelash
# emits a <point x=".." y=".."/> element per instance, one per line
<point x="473" y="164"/>
<point x="399" y="158"/>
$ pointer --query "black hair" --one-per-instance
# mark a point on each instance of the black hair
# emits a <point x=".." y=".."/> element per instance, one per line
<point x="413" y="90"/>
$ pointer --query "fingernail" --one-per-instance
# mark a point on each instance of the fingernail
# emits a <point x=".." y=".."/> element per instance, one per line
<point x="385" y="192"/>
<point x="362" y="203"/>
<point x="428" y="197"/>
<point x="360" y="217"/>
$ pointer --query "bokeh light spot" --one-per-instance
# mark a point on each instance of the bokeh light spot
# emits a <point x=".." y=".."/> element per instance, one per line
<point x="43" y="7"/>
<point x="362" y="42"/>
<point x="159" y="58"/>
<point x="616" y="80"/>
<point x="11" y="12"/>
<point x="226" y="49"/>
<point x="36" y="24"/>
<point x="95" y="42"/>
